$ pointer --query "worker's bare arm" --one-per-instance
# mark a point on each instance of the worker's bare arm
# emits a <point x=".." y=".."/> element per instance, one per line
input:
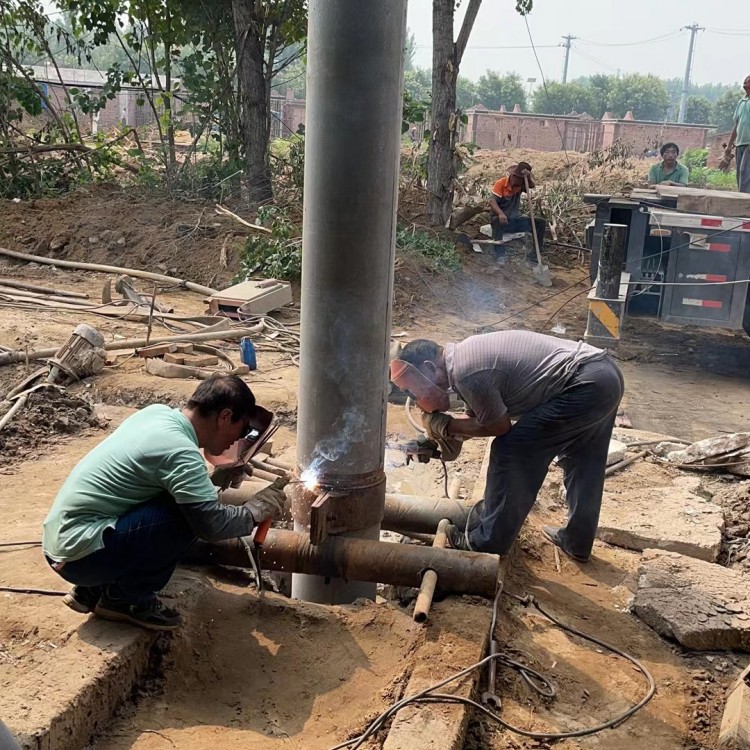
<point x="466" y="426"/>
<point x="495" y="209"/>
<point x="732" y="138"/>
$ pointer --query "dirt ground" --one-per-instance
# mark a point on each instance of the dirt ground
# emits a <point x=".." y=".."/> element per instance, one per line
<point x="264" y="675"/>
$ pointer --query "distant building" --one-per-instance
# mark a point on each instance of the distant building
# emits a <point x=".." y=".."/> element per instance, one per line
<point x="129" y="110"/>
<point x="575" y="132"/>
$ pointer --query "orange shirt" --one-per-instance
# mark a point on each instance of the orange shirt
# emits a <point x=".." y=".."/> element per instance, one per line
<point x="503" y="189"/>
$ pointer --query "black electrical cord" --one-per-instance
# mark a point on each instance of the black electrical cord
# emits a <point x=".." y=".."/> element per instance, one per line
<point x="429" y="695"/>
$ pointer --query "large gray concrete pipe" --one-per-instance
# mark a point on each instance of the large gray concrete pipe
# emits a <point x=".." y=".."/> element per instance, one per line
<point x="353" y="137"/>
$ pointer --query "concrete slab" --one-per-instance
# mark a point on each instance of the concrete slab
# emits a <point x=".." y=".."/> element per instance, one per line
<point x="669" y="518"/>
<point x="616" y="452"/>
<point x="72" y="690"/>
<point x="701" y="605"/>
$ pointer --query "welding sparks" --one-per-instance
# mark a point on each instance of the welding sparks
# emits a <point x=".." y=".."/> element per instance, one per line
<point x="309" y="478"/>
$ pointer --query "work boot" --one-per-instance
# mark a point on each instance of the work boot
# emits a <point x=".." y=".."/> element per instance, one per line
<point x="152" y="614"/>
<point x="457" y="538"/>
<point x="83" y="599"/>
<point x="553" y="534"/>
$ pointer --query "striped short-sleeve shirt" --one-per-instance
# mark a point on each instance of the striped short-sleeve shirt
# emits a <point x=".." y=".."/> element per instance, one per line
<point x="512" y="372"/>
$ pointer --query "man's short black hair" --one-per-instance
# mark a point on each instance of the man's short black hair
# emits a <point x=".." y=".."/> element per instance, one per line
<point x="225" y="392"/>
<point x="669" y="145"/>
<point x="420" y="350"/>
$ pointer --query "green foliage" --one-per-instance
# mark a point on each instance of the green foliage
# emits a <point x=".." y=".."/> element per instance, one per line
<point x="713" y="178"/>
<point x="413" y="111"/>
<point x="695" y="158"/>
<point x="410" y="50"/>
<point x="277" y="256"/>
<point x="644" y="95"/>
<point x="494" y="90"/>
<point x="698" y="110"/>
<point x="600" y="87"/>
<point x="562" y="99"/>
<point x="418" y="84"/>
<point x="723" y="112"/>
<point x="439" y="255"/>
<point x="466" y="93"/>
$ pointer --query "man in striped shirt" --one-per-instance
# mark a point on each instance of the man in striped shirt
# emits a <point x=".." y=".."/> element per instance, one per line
<point x="564" y="397"/>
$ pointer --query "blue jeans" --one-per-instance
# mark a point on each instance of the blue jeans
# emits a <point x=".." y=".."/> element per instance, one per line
<point x="575" y="425"/>
<point x="140" y="553"/>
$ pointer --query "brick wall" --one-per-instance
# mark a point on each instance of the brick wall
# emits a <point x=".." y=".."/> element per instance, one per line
<point x="497" y="130"/>
<point x="642" y="136"/>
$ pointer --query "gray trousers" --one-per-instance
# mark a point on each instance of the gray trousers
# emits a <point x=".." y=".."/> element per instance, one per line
<point x="575" y="425"/>
<point x="742" y="157"/>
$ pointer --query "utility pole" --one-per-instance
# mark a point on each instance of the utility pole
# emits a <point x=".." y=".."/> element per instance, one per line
<point x="568" y="40"/>
<point x="694" y="29"/>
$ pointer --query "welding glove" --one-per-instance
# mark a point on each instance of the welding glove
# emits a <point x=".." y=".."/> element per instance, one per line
<point x="269" y="502"/>
<point x="436" y="426"/>
<point x="231" y="476"/>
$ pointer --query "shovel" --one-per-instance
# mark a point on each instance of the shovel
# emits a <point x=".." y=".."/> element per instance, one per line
<point x="540" y="271"/>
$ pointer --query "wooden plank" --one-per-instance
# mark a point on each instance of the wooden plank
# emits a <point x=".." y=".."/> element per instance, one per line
<point x="735" y="723"/>
<point x="454" y="638"/>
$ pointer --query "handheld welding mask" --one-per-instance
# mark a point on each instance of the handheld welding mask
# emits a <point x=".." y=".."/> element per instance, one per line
<point x="428" y="396"/>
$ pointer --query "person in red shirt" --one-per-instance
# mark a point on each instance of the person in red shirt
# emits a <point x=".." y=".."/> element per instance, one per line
<point x="505" y="209"/>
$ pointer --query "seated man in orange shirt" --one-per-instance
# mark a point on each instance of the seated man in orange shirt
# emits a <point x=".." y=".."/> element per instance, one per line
<point x="505" y="209"/>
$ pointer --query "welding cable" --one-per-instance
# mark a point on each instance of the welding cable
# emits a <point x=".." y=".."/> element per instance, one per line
<point x="20" y="544"/>
<point x="253" y="564"/>
<point x="429" y="695"/>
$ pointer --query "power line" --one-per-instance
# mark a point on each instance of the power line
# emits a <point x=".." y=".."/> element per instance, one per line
<point x="652" y="40"/>
<point x="516" y="46"/>
<point x="593" y="59"/>
<point x="546" y="91"/>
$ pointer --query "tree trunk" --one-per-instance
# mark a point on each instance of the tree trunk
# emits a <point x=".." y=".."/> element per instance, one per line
<point x="440" y="170"/>
<point x="249" y="42"/>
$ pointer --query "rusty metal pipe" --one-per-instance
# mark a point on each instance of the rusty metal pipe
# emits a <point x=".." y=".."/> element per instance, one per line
<point x="352" y="559"/>
<point x="430" y="577"/>
<point x="414" y="513"/>
<point x="268" y="468"/>
<point x="288" y="468"/>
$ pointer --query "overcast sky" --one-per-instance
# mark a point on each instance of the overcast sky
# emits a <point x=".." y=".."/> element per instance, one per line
<point x="719" y="57"/>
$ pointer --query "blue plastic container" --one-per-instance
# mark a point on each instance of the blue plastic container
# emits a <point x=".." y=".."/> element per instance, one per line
<point x="247" y="353"/>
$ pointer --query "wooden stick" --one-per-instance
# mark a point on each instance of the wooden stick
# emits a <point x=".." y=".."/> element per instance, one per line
<point x="151" y="314"/>
<point x="226" y="212"/>
<point x="41" y="289"/>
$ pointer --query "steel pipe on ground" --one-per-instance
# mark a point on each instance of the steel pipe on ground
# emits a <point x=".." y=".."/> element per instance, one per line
<point x="359" y="560"/>
<point x="421" y="515"/>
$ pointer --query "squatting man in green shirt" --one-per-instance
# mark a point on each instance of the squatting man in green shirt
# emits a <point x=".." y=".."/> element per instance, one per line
<point x="564" y="396"/>
<point x="132" y="507"/>
<point x="670" y="171"/>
